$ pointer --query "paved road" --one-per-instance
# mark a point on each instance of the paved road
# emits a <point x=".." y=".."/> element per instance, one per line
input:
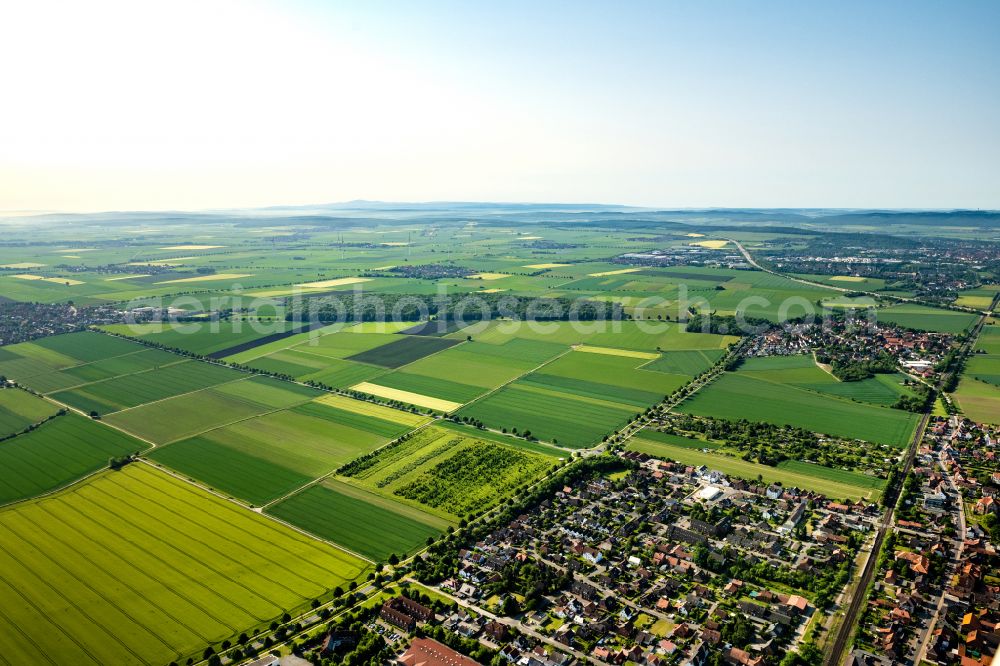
<point x="959" y="550"/>
<point x="510" y="622"/>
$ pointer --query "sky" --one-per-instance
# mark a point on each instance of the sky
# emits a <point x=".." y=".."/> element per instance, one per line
<point x="192" y="104"/>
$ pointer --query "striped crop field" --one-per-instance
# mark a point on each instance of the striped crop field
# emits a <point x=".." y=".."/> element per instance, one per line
<point x="136" y="567"/>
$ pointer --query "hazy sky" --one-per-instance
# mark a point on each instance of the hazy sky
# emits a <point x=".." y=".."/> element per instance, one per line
<point x="191" y="104"/>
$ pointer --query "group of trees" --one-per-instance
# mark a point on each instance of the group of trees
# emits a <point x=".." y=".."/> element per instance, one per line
<point x="770" y="444"/>
<point x="849" y="370"/>
<point x="350" y="306"/>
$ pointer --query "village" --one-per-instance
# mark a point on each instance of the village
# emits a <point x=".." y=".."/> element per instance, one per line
<point x="663" y="564"/>
<point x="671" y="564"/>
<point x="936" y="598"/>
<point x="846" y="344"/>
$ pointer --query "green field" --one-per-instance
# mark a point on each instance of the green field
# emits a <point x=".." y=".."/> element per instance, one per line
<point x="467" y="371"/>
<point x="550" y="415"/>
<point x="641" y="336"/>
<point x="29" y="359"/>
<point x="924" y="318"/>
<point x="691" y="362"/>
<point x="134" y="567"/>
<point x="56" y="453"/>
<point x="984" y="363"/>
<point x="402" y="350"/>
<point x="448" y="473"/>
<point x="679" y="440"/>
<point x="360" y="521"/>
<point x="835" y="484"/>
<point x="263" y="458"/>
<point x="734" y="396"/>
<point x="193" y="413"/>
<point x="136" y="361"/>
<point x="306" y="366"/>
<point x="202" y="337"/>
<point x="802" y="372"/>
<point x="20" y="409"/>
<point x="979" y="400"/>
<point x="112" y="395"/>
<point x="577" y="398"/>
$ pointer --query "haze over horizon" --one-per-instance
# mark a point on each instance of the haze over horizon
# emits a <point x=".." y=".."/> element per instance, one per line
<point x="225" y="104"/>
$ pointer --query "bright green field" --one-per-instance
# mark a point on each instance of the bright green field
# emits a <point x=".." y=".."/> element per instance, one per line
<point x="56" y="453"/>
<point x="641" y="336"/>
<point x="193" y="413"/>
<point x="135" y="567"/>
<point x="679" y="440"/>
<point x="111" y="395"/>
<point x="979" y="401"/>
<point x="927" y="319"/>
<point x="550" y="414"/>
<point x="306" y="366"/>
<point x="135" y="361"/>
<point x="621" y="373"/>
<point x="802" y="372"/>
<point x="19" y="409"/>
<point x="577" y="398"/>
<point x="810" y="478"/>
<point x="433" y="386"/>
<point x="468" y="370"/>
<point x="28" y="359"/>
<point x="360" y="521"/>
<point x="691" y="362"/>
<point x="984" y="365"/>
<point x="832" y="474"/>
<point x="263" y="458"/>
<point x="201" y="337"/>
<point x="734" y="396"/>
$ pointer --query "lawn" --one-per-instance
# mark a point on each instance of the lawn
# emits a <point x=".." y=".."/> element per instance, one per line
<point x="56" y="453"/>
<point x="809" y="478"/>
<point x="734" y="396"/>
<point x="135" y="567"/>
<point x="358" y="520"/>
